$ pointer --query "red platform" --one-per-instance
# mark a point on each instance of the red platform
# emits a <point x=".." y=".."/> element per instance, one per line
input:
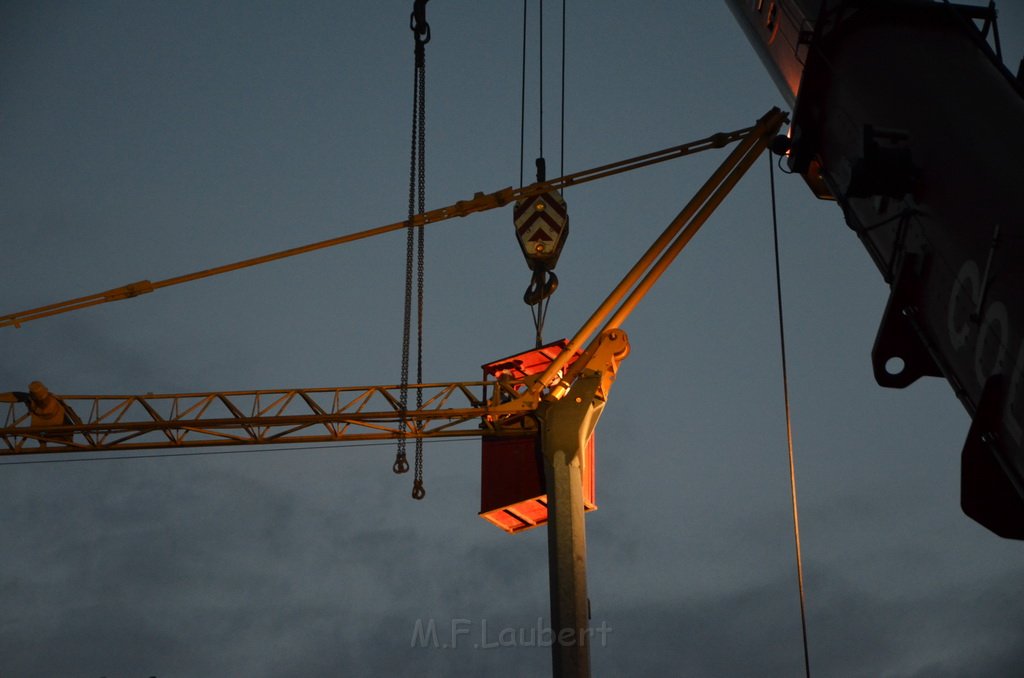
<point x="512" y="494"/>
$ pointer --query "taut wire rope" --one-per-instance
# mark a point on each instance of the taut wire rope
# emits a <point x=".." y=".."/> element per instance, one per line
<point x="789" y="424"/>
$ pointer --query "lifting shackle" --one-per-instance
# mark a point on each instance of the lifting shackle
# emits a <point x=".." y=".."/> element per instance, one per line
<point x="420" y="28"/>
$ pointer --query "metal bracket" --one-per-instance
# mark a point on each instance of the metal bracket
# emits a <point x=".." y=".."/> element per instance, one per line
<point x="568" y="423"/>
<point x="898" y="340"/>
<point x="602" y="357"/>
<point x="990" y="491"/>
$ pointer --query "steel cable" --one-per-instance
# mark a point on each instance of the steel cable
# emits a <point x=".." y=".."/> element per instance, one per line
<point x="789" y="425"/>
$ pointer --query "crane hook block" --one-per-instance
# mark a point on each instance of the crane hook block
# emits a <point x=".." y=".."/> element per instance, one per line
<point x="542" y="226"/>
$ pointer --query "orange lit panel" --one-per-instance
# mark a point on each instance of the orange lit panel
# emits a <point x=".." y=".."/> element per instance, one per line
<point x="512" y="492"/>
<point x="528" y="363"/>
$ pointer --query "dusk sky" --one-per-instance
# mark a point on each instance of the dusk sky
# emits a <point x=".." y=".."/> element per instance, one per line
<point x="142" y="140"/>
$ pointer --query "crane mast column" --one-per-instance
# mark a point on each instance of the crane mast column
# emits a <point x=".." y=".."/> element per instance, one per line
<point x="566" y="425"/>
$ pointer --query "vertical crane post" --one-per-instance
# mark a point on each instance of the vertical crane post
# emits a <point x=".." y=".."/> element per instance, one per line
<point x="566" y="425"/>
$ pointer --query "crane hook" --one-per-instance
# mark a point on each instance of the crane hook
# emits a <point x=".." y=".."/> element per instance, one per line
<point x="542" y="285"/>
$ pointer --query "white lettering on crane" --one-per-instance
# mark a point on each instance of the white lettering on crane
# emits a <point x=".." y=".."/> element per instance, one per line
<point x="995" y="316"/>
<point x="963" y="297"/>
<point x="967" y="281"/>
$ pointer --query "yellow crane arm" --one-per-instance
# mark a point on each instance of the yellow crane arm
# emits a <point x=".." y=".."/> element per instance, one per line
<point x="95" y="423"/>
<point x="480" y="202"/>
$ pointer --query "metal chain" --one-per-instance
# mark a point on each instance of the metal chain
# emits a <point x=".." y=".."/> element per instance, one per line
<point x="417" y="205"/>
<point x="418" y="492"/>
<point x="401" y="464"/>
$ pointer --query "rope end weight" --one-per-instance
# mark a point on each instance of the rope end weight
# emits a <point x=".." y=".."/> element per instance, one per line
<point x="417" y="490"/>
<point x="401" y="465"/>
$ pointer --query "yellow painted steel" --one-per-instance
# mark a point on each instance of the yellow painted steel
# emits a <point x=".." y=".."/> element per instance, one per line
<point x="668" y="245"/>
<point x="480" y="202"/>
<point x="374" y="412"/>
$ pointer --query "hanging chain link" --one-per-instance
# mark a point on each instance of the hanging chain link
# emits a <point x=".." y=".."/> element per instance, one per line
<point x="418" y="492"/>
<point x="414" y="240"/>
<point x="401" y="464"/>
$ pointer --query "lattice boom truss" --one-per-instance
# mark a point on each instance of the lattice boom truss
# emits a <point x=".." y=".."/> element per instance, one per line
<point x="264" y="417"/>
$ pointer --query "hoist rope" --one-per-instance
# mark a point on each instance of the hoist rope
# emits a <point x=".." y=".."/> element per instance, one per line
<point x="414" y="241"/>
<point x="561" y="132"/>
<point x="543" y="281"/>
<point x="539" y="311"/>
<point x="540" y="85"/>
<point x="789" y="424"/>
<point x="522" y="105"/>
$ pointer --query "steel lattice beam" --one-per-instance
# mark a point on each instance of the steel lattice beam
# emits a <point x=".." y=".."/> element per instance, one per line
<point x="150" y="421"/>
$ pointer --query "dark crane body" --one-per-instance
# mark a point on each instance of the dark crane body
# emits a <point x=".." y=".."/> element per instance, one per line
<point x="905" y="115"/>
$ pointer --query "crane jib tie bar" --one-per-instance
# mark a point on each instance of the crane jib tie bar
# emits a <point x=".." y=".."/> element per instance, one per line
<point x="480" y="202"/>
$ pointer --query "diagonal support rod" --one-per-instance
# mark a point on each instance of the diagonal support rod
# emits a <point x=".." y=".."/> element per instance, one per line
<point x="480" y="202"/>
